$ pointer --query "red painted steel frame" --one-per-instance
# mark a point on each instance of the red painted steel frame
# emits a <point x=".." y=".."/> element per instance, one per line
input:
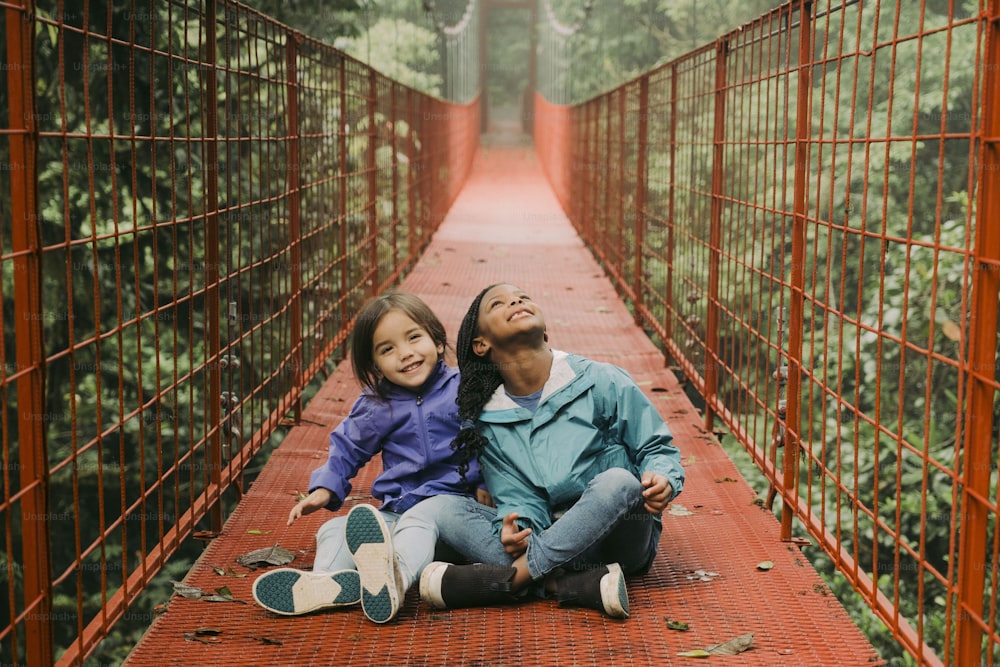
<point x="766" y="165"/>
<point x="220" y="195"/>
<point x="24" y="511"/>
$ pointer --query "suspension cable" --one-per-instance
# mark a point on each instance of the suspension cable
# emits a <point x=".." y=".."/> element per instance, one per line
<point x="560" y="27"/>
<point x="463" y="23"/>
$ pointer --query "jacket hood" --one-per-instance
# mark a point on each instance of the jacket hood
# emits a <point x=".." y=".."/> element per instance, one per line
<point x="565" y="383"/>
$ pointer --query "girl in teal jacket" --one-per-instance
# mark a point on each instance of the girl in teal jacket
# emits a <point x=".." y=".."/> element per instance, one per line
<point x="578" y="461"/>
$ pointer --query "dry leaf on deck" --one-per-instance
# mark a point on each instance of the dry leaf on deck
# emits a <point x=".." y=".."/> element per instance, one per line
<point x="697" y="653"/>
<point x="680" y="510"/>
<point x="203" y="635"/>
<point x="267" y="556"/>
<point x="187" y="591"/>
<point x="266" y="640"/>
<point x="733" y="646"/>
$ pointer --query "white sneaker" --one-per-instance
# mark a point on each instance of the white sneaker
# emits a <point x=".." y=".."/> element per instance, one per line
<point x="292" y="592"/>
<point x="370" y="544"/>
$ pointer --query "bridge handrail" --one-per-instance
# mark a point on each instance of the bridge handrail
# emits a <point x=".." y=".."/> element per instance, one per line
<point x="245" y="188"/>
<point x="804" y="216"/>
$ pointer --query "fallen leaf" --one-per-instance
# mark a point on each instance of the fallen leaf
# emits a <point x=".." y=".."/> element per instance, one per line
<point x="677" y="625"/>
<point x="267" y="556"/>
<point x="205" y="535"/>
<point x="266" y="640"/>
<point x="680" y="510"/>
<point x="208" y="632"/>
<point x="258" y="531"/>
<point x="222" y="594"/>
<point x="733" y="646"/>
<point x="192" y="637"/>
<point x="697" y="653"/>
<point x="187" y="591"/>
<point x="724" y="479"/>
<point x="765" y="565"/>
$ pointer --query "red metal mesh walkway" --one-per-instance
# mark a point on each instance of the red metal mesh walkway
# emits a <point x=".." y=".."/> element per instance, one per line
<point x="507" y="226"/>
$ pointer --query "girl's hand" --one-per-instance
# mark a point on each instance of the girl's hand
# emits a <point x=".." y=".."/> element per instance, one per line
<point x="515" y="540"/>
<point x="484" y="498"/>
<point x="318" y="499"/>
<point x="658" y="492"/>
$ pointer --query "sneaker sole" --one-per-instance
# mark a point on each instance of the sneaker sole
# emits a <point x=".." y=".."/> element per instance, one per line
<point x="292" y="592"/>
<point x="370" y="544"/>
<point x="430" y="584"/>
<point x="614" y="595"/>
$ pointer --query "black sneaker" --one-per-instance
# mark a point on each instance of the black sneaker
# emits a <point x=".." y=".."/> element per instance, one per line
<point x="600" y="588"/>
<point x="448" y="586"/>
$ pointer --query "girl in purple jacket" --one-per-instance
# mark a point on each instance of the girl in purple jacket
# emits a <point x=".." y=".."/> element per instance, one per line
<point x="406" y="411"/>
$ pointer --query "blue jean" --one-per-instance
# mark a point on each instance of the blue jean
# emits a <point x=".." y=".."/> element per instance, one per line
<point x="414" y="537"/>
<point x="608" y="524"/>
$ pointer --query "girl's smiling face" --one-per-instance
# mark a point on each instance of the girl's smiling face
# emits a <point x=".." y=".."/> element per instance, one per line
<point x="404" y="352"/>
<point x="506" y="313"/>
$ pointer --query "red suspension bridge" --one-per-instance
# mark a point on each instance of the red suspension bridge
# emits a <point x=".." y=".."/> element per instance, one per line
<point x="729" y="227"/>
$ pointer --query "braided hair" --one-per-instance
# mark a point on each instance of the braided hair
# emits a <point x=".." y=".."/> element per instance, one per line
<point x="479" y="379"/>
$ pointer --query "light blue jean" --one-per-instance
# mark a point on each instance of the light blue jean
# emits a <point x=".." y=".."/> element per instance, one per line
<point x="608" y="524"/>
<point x="414" y="537"/>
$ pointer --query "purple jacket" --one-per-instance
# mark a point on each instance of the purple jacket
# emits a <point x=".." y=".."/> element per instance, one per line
<point x="413" y="431"/>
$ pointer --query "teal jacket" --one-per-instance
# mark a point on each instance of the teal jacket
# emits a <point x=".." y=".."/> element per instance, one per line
<point x="591" y="417"/>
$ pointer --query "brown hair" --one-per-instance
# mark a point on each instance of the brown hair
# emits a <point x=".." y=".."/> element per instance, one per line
<point x="362" y="352"/>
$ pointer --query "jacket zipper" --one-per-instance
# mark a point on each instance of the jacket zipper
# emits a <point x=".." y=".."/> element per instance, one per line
<point x="423" y="427"/>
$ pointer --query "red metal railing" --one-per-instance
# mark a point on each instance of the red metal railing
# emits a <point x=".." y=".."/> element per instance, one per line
<point x="199" y="199"/>
<point x="803" y="213"/>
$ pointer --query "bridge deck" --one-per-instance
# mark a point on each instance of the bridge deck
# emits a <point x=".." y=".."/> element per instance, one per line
<point x="507" y="226"/>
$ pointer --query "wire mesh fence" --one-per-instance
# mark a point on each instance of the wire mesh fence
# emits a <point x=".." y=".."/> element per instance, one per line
<point x="197" y="201"/>
<point x="803" y="214"/>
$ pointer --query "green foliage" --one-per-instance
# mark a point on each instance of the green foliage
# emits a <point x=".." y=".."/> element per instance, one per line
<point x="400" y="50"/>
<point x="325" y="21"/>
<point x="124" y="180"/>
<point x="886" y="318"/>
<point x="621" y="40"/>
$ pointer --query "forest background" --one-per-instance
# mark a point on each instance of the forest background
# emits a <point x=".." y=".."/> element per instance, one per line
<point x="620" y="40"/>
